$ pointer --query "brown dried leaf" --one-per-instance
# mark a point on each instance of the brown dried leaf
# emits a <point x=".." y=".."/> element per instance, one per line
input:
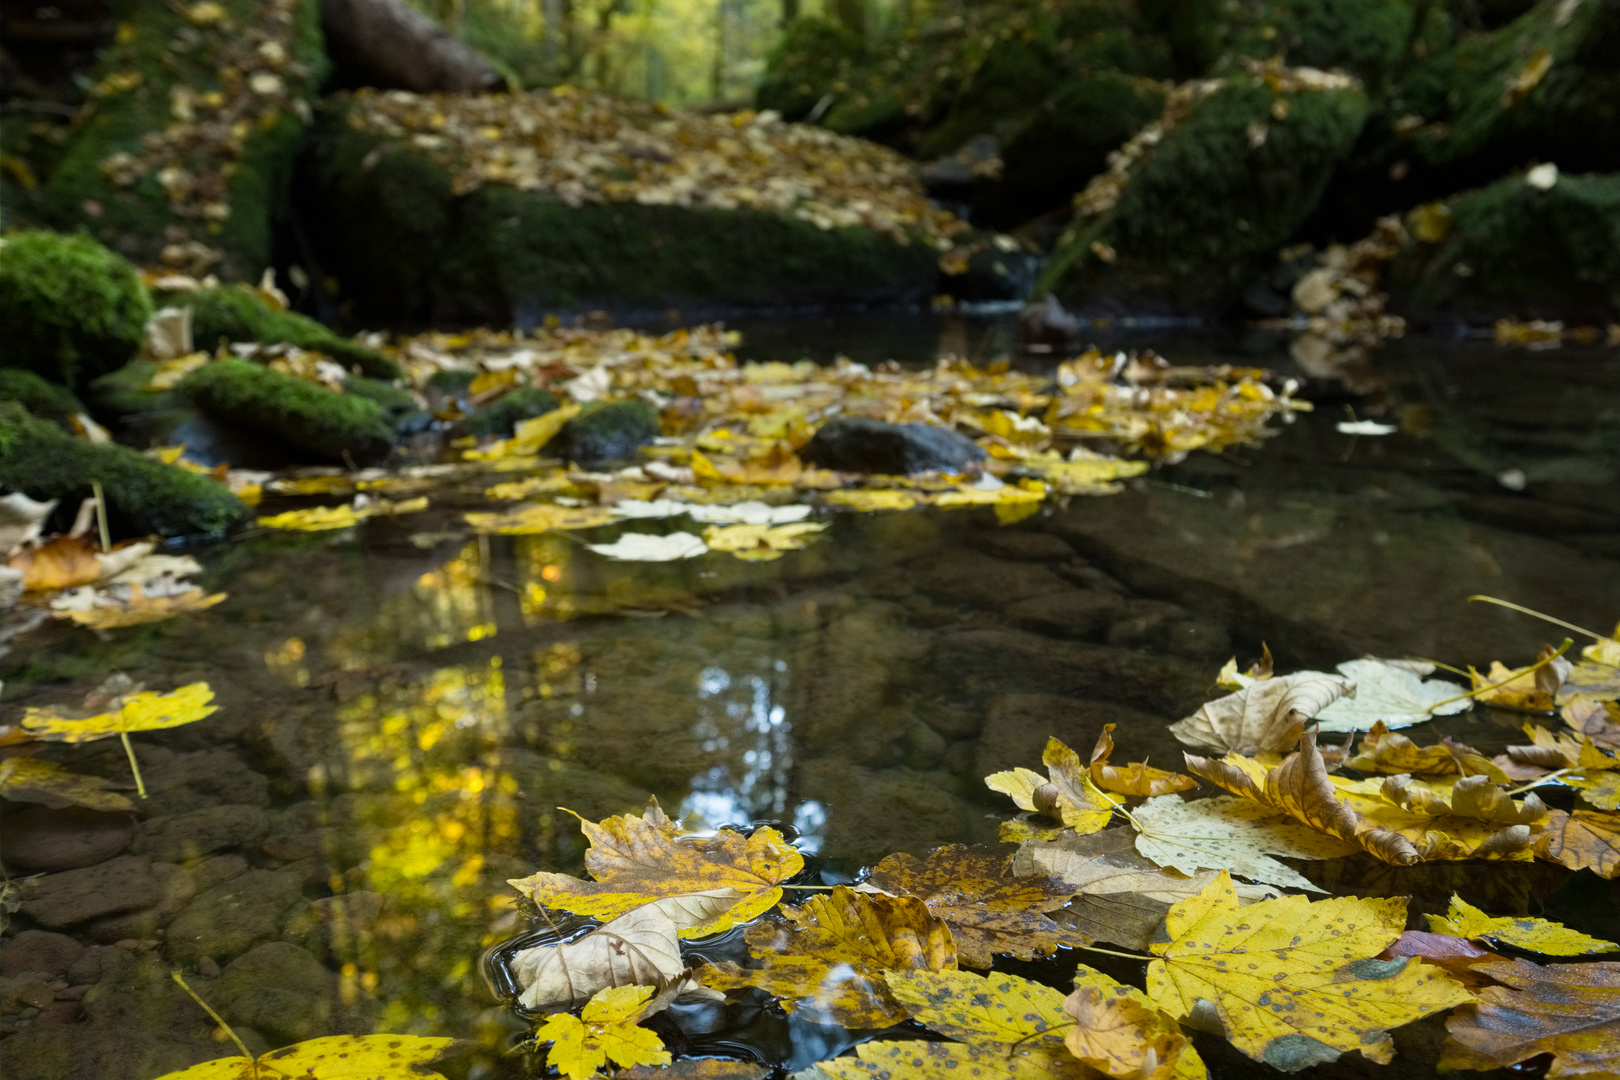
<point x="1383" y="751"/>
<point x="1571" y="1011"/>
<point x="1582" y="840"/>
<point x="1266" y="715"/>
<point x="1133" y="779"/>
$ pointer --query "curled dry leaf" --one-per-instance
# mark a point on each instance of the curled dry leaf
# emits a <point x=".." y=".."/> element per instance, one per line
<point x="1293" y="982"/>
<point x="1581" y="840"/>
<point x="637" y="860"/>
<point x="1120" y="1037"/>
<point x="1571" y="1011"/>
<point x="1070" y="796"/>
<point x="1468" y="796"/>
<point x="1522" y="688"/>
<point x="605" y="1030"/>
<point x="1133" y="779"/>
<point x="64" y="562"/>
<point x="830" y="955"/>
<point x="1266" y="715"/>
<point x="21" y="520"/>
<point x="1524" y="932"/>
<point x="1384" y="752"/>
<point x="988" y="910"/>
<point x="1597" y="720"/>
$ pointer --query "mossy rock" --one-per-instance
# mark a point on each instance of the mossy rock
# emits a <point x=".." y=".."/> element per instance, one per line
<point x="44" y="399"/>
<point x="1479" y="109"/>
<point x="1369" y="38"/>
<point x="408" y="250"/>
<point x="143" y="495"/>
<point x="339" y="427"/>
<point x="501" y="416"/>
<point x="608" y="432"/>
<point x="1517" y="251"/>
<point x="1204" y="211"/>
<point x="70" y="310"/>
<point x="238" y="314"/>
<point x="158" y="52"/>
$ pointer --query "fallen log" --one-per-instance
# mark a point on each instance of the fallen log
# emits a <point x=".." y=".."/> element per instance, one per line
<point x="392" y="46"/>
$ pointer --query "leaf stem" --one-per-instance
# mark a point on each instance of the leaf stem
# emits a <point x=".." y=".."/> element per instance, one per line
<point x="1539" y="615"/>
<point x="1537" y="666"/>
<point x="1137" y="825"/>
<point x="134" y="767"/>
<point x="1115" y="952"/>
<point x="101" y="516"/>
<point x="1538" y="781"/>
<point x="175" y="975"/>
<point x="1443" y="667"/>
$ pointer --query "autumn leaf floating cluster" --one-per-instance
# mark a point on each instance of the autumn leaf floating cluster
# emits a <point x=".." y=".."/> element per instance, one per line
<point x="1111" y="858"/>
<point x="585" y="147"/>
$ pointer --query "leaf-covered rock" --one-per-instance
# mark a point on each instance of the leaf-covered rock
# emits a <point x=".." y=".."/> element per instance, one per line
<point x="239" y="314"/>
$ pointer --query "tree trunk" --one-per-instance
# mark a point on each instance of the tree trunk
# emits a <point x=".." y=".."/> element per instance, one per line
<point x="852" y="13"/>
<point x="386" y="44"/>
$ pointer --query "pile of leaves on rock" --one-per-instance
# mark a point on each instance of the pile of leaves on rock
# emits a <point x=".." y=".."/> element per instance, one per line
<point x="1112" y="861"/>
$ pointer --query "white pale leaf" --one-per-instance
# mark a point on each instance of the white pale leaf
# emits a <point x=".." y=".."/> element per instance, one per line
<point x="1229" y="833"/>
<point x="647" y="547"/>
<point x="1390" y="692"/>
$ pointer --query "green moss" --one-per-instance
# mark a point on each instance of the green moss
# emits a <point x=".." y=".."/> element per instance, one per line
<point x="608" y="432"/>
<point x="501" y="416"/>
<point x="1516" y="251"/>
<point x="1198" y="216"/>
<point x="1366" y="37"/>
<point x="236" y="314"/>
<point x="451" y="381"/>
<point x="143" y="495"/>
<point x="44" y="399"/>
<point x="395" y="400"/>
<point x="69" y="308"/>
<point x="342" y="427"/>
<point x="159" y="50"/>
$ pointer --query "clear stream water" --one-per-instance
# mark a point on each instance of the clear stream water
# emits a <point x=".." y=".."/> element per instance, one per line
<point x="404" y="708"/>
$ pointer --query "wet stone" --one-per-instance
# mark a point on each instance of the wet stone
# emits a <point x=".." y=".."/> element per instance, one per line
<point x="230" y="918"/>
<point x="1020" y="724"/>
<point x="856" y="444"/>
<point x="184" y="837"/>
<point x="127" y="883"/>
<point x="874" y="812"/>
<point x="280" y="990"/>
<point x="202" y="779"/>
<point x="41" y="951"/>
<point x="96" y="963"/>
<point x="982" y="581"/>
<point x="42" y="839"/>
<point x="1070" y="613"/>
<point x="1028" y="546"/>
<point x="178" y="889"/>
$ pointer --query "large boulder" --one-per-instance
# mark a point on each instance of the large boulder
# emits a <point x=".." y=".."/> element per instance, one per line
<point x="241" y="314"/>
<point x="343" y="427"/>
<point x="1543" y="88"/>
<point x="1195" y="204"/>
<point x="451" y="225"/>
<point x="1517" y="248"/>
<point x="191" y="131"/>
<point x="70" y="310"/>
<point x="1369" y="38"/>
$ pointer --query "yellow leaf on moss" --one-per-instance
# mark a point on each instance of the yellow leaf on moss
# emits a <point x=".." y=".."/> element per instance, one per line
<point x="606" y="1030"/>
<point x="1543" y="936"/>
<point x="146" y="711"/>
<point x="636" y="860"/>
<point x="334" y="1057"/>
<point x="832" y="954"/>
<point x="1294" y="982"/>
<point x="1069" y="796"/>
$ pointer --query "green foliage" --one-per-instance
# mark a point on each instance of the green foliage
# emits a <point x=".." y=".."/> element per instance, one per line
<point x="143" y="495"/>
<point x="236" y="314"/>
<point x="501" y="416"/>
<point x="69" y="308"/>
<point x="1551" y="254"/>
<point x="137" y="220"/>
<point x="1198" y="215"/>
<point x="342" y="427"/>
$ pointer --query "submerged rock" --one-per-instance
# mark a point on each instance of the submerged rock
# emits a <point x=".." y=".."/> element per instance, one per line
<point x="856" y="444"/>
<point x="127" y="883"/>
<point x="70" y="310"/>
<point x="501" y="416"/>
<point x="1542" y="245"/>
<point x="231" y="918"/>
<point x="231" y="315"/>
<point x="143" y="495"/>
<point x="607" y="433"/>
<point x="342" y="427"/>
<point x="73" y="837"/>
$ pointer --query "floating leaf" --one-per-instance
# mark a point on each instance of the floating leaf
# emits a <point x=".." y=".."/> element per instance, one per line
<point x="35" y="781"/>
<point x="636" y="860"/>
<point x="1133" y="779"/>
<point x="1069" y="796"/>
<point x="1233" y="834"/>
<point x="146" y="711"/>
<point x="541" y="518"/>
<point x="334" y="1057"/>
<point x="1392" y="693"/>
<point x="1293" y="982"/>
<point x="1383" y="752"/>
<point x="987" y="909"/>
<point x="64" y="562"/>
<point x="831" y="955"/>
<point x="1597" y="720"/>
<point x="650" y="547"/>
<point x="1582" y="840"/>
<point x="1266" y="715"/>
<point x="313" y="519"/>
<point x="1571" y="1011"/>
<point x="1523" y="932"/>
<point x="605" y="1030"/>
<point x="108" y="613"/>
<point x="869" y="499"/>
<point x="761" y="543"/>
<point x="1120" y="1037"/>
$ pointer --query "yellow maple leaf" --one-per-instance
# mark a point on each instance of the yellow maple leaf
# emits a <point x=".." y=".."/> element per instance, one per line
<point x="636" y="860"/>
<point x="1083" y="472"/>
<point x="528" y="438"/>
<point x="146" y="711"/>
<point x="761" y="543"/>
<point x="1543" y="936"/>
<point x="541" y="517"/>
<point x="1137" y="778"/>
<point x="831" y="955"/>
<point x="869" y="499"/>
<point x="1294" y="982"/>
<point x="32" y="780"/>
<point x="313" y="519"/>
<point x="333" y="1057"/>
<point x="607" y="1029"/>
<point x="1070" y="795"/>
<point x="1571" y="1011"/>
<point x="1024" y="493"/>
<point x="1384" y="751"/>
<point x="1120" y="1037"/>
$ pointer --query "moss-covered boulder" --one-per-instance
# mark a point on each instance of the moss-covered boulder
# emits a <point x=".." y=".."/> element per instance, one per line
<point x="501" y="416"/>
<point x="143" y="495"/>
<point x="340" y="427"/>
<point x="1543" y="88"/>
<point x="1517" y="250"/>
<point x="1217" y="187"/>
<point x="44" y="399"/>
<point x="69" y="308"/>
<point x="607" y="432"/>
<point x="1370" y="38"/>
<point x="410" y="245"/>
<point x="190" y="134"/>
<point x="240" y="314"/>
